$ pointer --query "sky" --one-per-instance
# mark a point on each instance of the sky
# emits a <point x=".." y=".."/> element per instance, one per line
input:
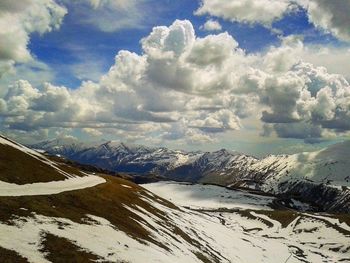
<point x="256" y="76"/>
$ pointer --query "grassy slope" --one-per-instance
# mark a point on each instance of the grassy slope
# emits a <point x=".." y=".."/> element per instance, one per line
<point x="19" y="167"/>
<point x="59" y="249"/>
<point x="105" y="200"/>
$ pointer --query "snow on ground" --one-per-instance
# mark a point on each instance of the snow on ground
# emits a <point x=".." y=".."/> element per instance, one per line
<point x="97" y="236"/>
<point x="181" y="159"/>
<point x="48" y="188"/>
<point x="222" y="237"/>
<point x="208" y="196"/>
<point x="231" y="239"/>
<point x="333" y="221"/>
<point x="237" y="236"/>
<point x="329" y="166"/>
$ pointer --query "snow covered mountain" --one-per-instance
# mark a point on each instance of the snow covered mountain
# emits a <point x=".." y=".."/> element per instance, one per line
<point x="321" y="177"/>
<point x="172" y="164"/>
<point x="54" y="212"/>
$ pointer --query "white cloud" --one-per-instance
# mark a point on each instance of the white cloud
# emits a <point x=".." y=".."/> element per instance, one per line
<point x="34" y="71"/>
<point x="245" y="11"/>
<point x="134" y="91"/>
<point x="298" y="98"/>
<point x="217" y="121"/>
<point x="189" y="89"/>
<point x="124" y="4"/>
<point x="17" y="21"/>
<point x="282" y="58"/>
<point x="330" y="16"/>
<point x="6" y="66"/>
<point x="92" y="132"/>
<point x="88" y="68"/>
<point x="335" y="59"/>
<point x="211" y="25"/>
<point x="109" y="15"/>
<point x="212" y="50"/>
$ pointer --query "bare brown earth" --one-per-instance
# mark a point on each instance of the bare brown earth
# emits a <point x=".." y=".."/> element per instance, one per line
<point x="106" y="200"/>
<point x="61" y="250"/>
<point x="9" y="256"/>
<point x="20" y="168"/>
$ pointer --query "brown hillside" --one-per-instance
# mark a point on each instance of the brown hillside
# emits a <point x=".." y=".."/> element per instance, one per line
<point x="19" y="167"/>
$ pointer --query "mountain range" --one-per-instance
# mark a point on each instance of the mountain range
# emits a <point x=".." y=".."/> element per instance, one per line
<point x="320" y="178"/>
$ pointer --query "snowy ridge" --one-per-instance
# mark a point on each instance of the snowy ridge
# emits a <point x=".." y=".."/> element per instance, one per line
<point x="22" y="148"/>
<point x="139" y="159"/>
<point x="329" y="166"/>
<point x="320" y="177"/>
<point x="118" y="156"/>
<point x="72" y="181"/>
<point x="35" y="154"/>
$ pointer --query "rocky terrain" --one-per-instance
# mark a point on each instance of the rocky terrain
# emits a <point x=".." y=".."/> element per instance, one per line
<point x="320" y="178"/>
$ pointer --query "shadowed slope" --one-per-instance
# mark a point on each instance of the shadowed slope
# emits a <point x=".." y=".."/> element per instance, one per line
<point x="21" y="165"/>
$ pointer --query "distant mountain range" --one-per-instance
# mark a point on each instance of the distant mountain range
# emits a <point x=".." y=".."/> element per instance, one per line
<point x="321" y="177"/>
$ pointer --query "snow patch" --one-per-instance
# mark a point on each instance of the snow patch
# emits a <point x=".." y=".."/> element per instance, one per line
<point x="49" y="188"/>
<point x="208" y="196"/>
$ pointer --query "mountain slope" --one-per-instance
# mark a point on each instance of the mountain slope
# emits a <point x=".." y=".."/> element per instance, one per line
<point x="287" y="236"/>
<point x="118" y="221"/>
<point x="105" y="221"/>
<point x="321" y="177"/>
<point x="23" y="171"/>
<point x="171" y="164"/>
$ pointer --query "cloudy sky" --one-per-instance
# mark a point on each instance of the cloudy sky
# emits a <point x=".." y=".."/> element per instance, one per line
<point x="257" y="76"/>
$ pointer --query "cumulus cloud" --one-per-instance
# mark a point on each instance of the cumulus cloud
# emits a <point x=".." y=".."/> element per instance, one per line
<point x="245" y="11"/>
<point x="322" y="101"/>
<point x="330" y="16"/>
<point x="282" y="58"/>
<point x="211" y="25"/>
<point x="18" y="19"/>
<point x="217" y="121"/>
<point x="299" y="130"/>
<point x="92" y="132"/>
<point x="335" y="59"/>
<point x="159" y="86"/>
<point x="190" y="89"/>
<point x="34" y="71"/>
